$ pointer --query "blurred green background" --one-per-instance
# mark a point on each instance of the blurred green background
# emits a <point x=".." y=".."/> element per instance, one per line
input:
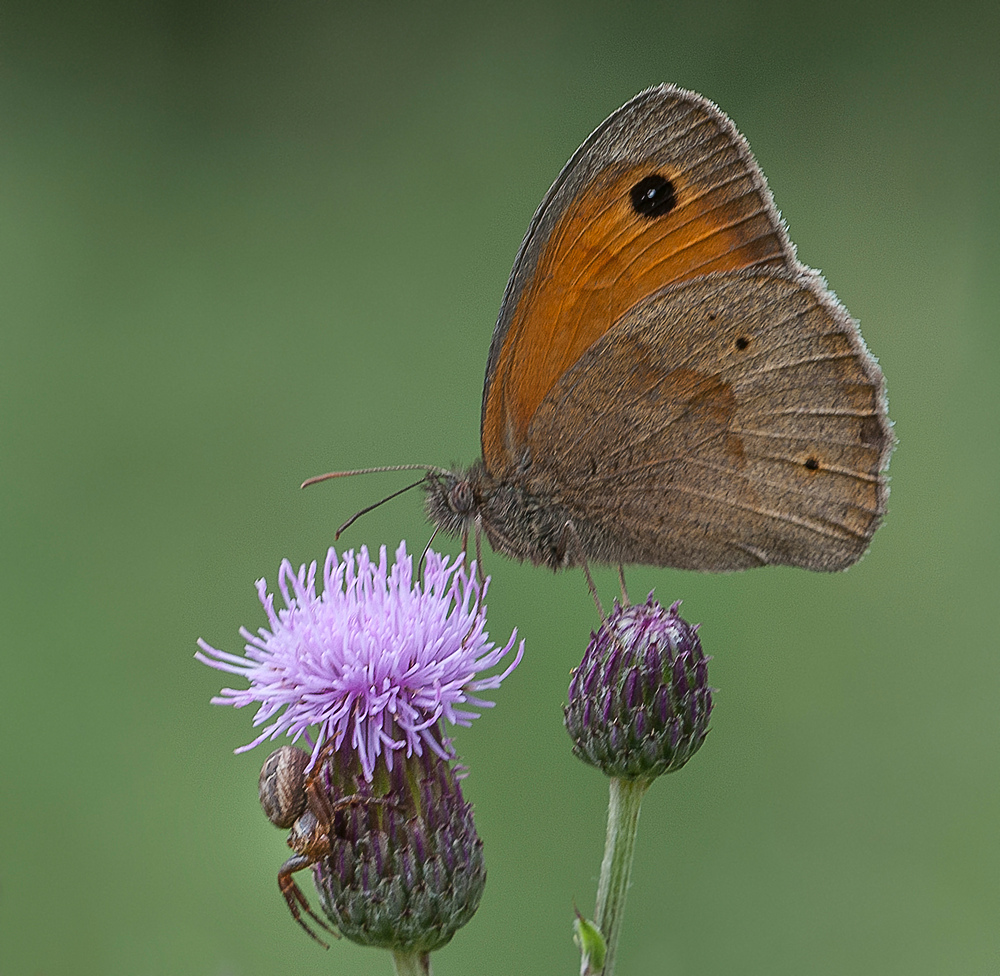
<point x="244" y="243"/>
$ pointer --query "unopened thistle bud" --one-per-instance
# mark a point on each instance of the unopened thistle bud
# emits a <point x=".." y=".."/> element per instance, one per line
<point x="639" y="703"/>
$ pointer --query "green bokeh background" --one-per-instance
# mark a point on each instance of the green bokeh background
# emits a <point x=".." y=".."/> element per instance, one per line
<point x="243" y="243"/>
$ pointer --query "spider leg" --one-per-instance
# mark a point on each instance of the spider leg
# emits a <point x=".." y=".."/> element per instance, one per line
<point x="320" y="803"/>
<point x="297" y="901"/>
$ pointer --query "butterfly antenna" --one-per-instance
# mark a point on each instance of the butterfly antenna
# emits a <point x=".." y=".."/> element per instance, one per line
<point x="371" y="508"/>
<point x="427" y="468"/>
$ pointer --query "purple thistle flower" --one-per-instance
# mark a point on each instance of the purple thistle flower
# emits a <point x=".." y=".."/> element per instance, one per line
<point x="373" y="660"/>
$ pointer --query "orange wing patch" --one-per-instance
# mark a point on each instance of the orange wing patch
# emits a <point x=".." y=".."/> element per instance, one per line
<point x="601" y="258"/>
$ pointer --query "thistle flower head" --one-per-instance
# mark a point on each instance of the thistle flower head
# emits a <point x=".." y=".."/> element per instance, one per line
<point x="372" y="662"/>
<point x="639" y="703"/>
<point x="405" y="868"/>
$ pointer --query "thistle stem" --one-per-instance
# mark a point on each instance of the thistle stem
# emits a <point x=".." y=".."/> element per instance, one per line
<point x="412" y="963"/>
<point x="616" y="868"/>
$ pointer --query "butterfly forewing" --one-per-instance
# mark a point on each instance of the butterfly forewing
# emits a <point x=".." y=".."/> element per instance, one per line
<point x="666" y="190"/>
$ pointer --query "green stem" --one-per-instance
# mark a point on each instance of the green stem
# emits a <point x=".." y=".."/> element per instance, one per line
<point x="616" y="868"/>
<point x="412" y="963"/>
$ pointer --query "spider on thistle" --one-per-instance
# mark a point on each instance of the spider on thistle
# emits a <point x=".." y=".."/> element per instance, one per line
<point x="293" y="799"/>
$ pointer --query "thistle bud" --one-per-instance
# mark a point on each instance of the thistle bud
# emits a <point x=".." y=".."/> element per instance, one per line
<point x="405" y="868"/>
<point x="639" y="702"/>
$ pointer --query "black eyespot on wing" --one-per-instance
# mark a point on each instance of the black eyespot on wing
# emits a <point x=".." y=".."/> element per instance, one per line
<point x="741" y="343"/>
<point x="653" y="196"/>
<point x="812" y="464"/>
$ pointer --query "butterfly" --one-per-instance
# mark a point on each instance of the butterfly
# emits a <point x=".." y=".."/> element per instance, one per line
<point x="667" y="384"/>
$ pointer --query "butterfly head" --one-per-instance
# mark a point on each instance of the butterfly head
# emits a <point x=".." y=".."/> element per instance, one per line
<point x="453" y="502"/>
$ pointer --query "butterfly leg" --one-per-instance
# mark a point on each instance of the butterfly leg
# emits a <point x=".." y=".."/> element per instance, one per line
<point x="479" y="550"/>
<point x="569" y="533"/>
<point x="621" y="579"/>
<point x="423" y="555"/>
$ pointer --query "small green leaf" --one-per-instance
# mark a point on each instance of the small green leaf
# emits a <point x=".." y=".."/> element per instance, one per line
<point x="590" y="942"/>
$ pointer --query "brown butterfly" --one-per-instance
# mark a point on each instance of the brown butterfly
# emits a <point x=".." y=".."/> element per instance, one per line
<point x="667" y="384"/>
